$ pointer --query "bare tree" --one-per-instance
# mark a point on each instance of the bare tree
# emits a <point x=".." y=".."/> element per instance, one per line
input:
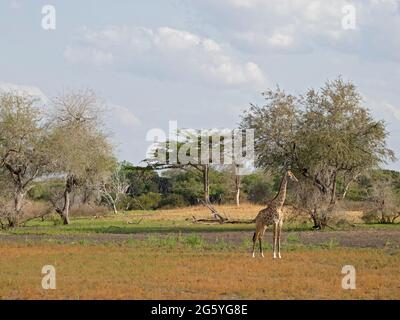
<point x="386" y="202"/>
<point x="113" y="187"/>
<point x="84" y="153"/>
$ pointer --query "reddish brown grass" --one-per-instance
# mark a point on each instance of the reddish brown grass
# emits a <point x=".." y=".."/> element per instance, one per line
<point x="126" y="272"/>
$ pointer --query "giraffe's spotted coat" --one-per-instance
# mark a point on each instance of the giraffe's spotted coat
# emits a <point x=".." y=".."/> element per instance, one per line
<point x="273" y="215"/>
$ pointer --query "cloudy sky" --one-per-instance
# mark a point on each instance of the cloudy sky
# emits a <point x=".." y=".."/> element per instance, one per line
<point x="200" y="62"/>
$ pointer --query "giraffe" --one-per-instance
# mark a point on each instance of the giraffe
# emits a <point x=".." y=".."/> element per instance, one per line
<point x="273" y="214"/>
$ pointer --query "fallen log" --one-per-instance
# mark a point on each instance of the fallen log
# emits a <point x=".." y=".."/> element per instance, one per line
<point x="214" y="212"/>
<point x="225" y="221"/>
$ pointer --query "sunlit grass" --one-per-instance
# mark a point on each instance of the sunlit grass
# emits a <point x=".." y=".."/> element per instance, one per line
<point x="173" y="220"/>
<point x="184" y="267"/>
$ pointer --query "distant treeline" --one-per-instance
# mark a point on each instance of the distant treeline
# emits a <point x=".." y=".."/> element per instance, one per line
<point x="148" y="189"/>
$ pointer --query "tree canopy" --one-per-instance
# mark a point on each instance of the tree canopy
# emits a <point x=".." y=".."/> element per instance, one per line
<point x="323" y="135"/>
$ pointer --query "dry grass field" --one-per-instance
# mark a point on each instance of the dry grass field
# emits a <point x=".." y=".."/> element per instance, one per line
<point x="162" y="272"/>
<point x="244" y="211"/>
<point x="166" y="256"/>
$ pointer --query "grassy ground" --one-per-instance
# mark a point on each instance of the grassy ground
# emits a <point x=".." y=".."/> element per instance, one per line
<point x="188" y="269"/>
<point x="176" y="220"/>
<point x="167" y="257"/>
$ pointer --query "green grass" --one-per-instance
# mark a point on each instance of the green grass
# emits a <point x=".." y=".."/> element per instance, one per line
<point x="85" y="225"/>
<point x="186" y="241"/>
<point x="378" y="225"/>
<point x="116" y="224"/>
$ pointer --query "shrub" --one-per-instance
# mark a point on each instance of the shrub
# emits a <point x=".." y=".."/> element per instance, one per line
<point x="194" y="241"/>
<point x="370" y="216"/>
<point x="44" y="190"/>
<point x="173" y="201"/>
<point x="149" y="201"/>
<point x="258" y="188"/>
<point x="87" y="210"/>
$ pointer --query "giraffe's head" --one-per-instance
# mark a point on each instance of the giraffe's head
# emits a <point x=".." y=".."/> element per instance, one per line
<point x="292" y="176"/>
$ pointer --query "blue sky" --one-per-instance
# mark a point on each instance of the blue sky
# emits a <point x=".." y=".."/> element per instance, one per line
<point x="200" y="62"/>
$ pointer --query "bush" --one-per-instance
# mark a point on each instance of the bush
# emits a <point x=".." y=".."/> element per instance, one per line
<point x="43" y="191"/>
<point x="257" y="188"/>
<point x="84" y="210"/>
<point x="370" y="216"/>
<point x="36" y="209"/>
<point x="378" y="216"/>
<point x="149" y="201"/>
<point x="173" y="201"/>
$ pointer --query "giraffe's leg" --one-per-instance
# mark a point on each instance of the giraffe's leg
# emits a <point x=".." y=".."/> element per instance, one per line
<point x="279" y="238"/>
<point x="261" y="249"/>
<point x="255" y="237"/>
<point x="254" y="243"/>
<point x="260" y="239"/>
<point x="258" y="235"/>
<point x="275" y="238"/>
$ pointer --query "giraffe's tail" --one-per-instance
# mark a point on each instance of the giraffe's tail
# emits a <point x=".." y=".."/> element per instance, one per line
<point x="254" y="237"/>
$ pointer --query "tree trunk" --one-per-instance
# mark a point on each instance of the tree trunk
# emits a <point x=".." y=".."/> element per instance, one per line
<point x="320" y="220"/>
<point x="346" y="189"/>
<point x="237" y="186"/>
<point x="314" y="217"/>
<point x="114" y="208"/>
<point x="206" y="183"/>
<point x="13" y="220"/>
<point x="64" y="212"/>
<point x="333" y="192"/>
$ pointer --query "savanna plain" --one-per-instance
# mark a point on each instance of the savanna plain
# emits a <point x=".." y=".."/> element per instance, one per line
<point x="163" y="254"/>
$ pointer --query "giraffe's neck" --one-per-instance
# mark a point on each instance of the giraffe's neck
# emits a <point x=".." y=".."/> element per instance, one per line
<point x="281" y="196"/>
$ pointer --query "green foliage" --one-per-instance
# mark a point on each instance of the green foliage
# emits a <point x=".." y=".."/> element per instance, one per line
<point x="141" y="180"/>
<point x="258" y="187"/>
<point x="172" y="201"/>
<point x="194" y="241"/>
<point x="148" y="201"/>
<point x="325" y="136"/>
<point x="185" y="183"/>
<point x="43" y="191"/>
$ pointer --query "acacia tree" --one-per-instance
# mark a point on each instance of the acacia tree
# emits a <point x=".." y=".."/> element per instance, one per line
<point x="324" y="135"/>
<point x="188" y="151"/>
<point x="24" y="147"/>
<point x="84" y="154"/>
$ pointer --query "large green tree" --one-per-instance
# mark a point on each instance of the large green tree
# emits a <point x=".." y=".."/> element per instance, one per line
<point x="324" y="135"/>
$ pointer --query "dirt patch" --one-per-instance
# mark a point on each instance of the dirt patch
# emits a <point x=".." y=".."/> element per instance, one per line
<point x="355" y="238"/>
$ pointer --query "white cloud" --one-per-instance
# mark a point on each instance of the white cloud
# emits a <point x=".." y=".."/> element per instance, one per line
<point x="165" y="53"/>
<point x="302" y="25"/>
<point x="24" y="89"/>
<point x="124" y="115"/>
